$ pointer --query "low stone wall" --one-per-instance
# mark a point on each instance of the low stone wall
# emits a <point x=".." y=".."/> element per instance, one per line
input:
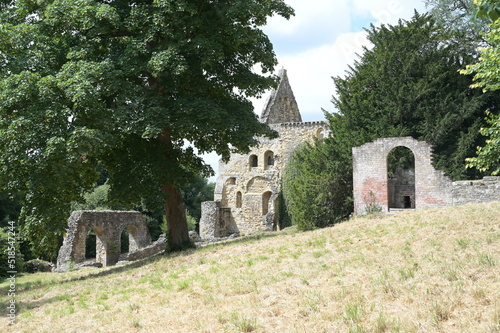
<point x="148" y="251"/>
<point x="476" y="191"/>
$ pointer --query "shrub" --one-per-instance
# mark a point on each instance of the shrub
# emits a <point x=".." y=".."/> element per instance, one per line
<point x="37" y="265"/>
<point x="317" y="187"/>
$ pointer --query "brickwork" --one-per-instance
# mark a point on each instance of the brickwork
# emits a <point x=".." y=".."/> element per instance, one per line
<point x="370" y="182"/>
<point x="432" y="188"/>
<point x="402" y="189"/>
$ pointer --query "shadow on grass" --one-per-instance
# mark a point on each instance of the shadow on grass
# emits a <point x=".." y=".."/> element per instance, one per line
<point x="247" y="239"/>
<point x="47" y="281"/>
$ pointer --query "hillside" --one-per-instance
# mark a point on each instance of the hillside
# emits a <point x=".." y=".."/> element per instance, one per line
<point x="424" y="271"/>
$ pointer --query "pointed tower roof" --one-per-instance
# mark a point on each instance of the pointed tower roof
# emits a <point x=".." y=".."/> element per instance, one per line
<point x="281" y="106"/>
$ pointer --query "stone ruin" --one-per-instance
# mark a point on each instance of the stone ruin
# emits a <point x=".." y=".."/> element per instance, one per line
<point x="246" y="196"/>
<point x="420" y="188"/>
<point x="108" y="226"/>
<point x="247" y="188"/>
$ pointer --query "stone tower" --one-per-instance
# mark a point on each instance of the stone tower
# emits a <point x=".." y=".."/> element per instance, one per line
<point x="247" y="188"/>
<point x="281" y="106"/>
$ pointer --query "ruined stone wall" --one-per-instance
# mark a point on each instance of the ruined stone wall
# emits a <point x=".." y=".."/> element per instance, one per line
<point x="476" y="191"/>
<point x="370" y="183"/>
<point x="432" y="187"/>
<point x="248" y="190"/>
<point x="108" y="226"/>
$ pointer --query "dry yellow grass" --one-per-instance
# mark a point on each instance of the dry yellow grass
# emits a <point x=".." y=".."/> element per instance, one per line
<point x="425" y="271"/>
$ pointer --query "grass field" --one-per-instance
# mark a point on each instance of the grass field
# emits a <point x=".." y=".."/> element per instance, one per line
<point x="424" y="271"/>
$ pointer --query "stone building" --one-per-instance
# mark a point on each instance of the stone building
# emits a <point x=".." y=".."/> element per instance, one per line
<point x="247" y="188"/>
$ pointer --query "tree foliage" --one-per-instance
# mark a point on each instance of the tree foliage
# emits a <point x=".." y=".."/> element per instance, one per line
<point x="195" y="193"/>
<point x="458" y="17"/>
<point x="487" y="76"/>
<point x="406" y="84"/>
<point x="314" y="187"/>
<point x="121" y="85"/>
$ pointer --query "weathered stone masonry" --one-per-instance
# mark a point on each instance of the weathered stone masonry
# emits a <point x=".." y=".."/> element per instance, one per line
<point x="108" y="226"/>
<point x="485" y="190"/>
<point x="433" y="188"/>
<point x="247" y="188"/>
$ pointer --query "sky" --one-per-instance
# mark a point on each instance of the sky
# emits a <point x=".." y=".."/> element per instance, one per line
<point x="320" y="42"/>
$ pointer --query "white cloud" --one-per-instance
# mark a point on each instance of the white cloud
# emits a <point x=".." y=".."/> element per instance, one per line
<point x="321" y="41"/>
<point x="310" y="74"/>
<point x="316" y="22"/>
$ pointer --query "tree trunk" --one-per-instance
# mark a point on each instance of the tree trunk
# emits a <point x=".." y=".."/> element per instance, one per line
<point x="178" y="236"/>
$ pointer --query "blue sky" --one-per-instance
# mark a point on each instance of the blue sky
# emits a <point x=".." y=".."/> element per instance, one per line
<point x="321" y="41"/>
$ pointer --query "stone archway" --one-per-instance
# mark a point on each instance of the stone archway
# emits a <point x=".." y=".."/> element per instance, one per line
<point x="108" y="226"/>
<point x="401" y="178"/>
<point x="370" y="181"/>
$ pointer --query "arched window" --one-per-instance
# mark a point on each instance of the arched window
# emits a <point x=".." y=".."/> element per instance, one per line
<point x="401" y="178"/>
<point x="268" y="159"/>
<point x="320" y="134"/>
<point x="254" y="161"/>
<point x="238" y="199"/>
<point x="265" y="202"/>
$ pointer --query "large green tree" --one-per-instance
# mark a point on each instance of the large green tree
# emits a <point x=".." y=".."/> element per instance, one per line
<point x="314" y="186"/>
<point x="457" y="16"/>
<point x="122" y="85"/>
<point x="406" y="84"/>
<point x="487" y="76"/>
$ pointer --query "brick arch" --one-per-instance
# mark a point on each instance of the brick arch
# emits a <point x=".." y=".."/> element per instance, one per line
<point x="370" y="183"/>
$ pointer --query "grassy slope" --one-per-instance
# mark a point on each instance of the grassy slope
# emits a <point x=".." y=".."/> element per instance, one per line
<point x="426" y="271"/>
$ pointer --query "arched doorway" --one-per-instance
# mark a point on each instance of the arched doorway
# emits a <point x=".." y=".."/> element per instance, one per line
<point x="265" y="202"/>
<point x="401" y="178"/>
<point x="90" y="245"/>
<point x="124" y="241"/>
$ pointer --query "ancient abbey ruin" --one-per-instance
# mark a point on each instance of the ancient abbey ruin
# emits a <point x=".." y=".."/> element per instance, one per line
<point x="108" y="226"/>
<point x="247" y="188"/>
<point x="418" y="188"/>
